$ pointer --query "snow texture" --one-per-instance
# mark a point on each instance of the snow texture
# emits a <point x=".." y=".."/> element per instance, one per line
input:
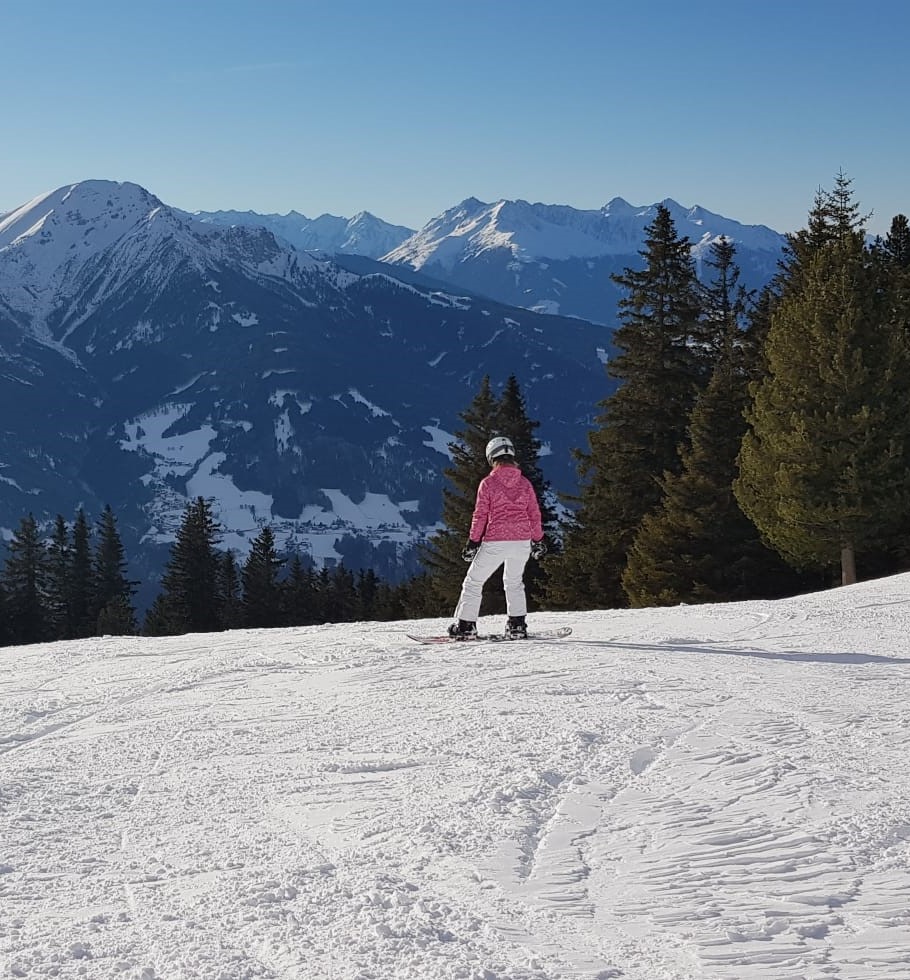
<point x="700" y="792"/>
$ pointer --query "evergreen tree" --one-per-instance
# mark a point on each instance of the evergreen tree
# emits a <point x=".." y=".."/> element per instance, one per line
<point x="698" y="546"/>
<point x="755" y="335"/>
<point x="367" y="588"/>
<point x="25" y="585"/>
<point x="59" y="581"/>
<point x="391" y="601"/>
<point x="726" y="306"/>
<point x="112" y="590"/>
<point x="5" y="629"/>
<point x="298" y="595"/>
<point x="159" y="619"/>
<point x="261" y="591"/>
<point x="661" y="366"/>
<point x="340" y="596"/>
<point x="893" y="263"/>
<point x="322" y="605"/>
<point x="189" y="598"/>
<point x="824" y="464"/>
<point x="230" y="603"/>
<point x="82" y="585"/>
<point x="834" y="217"/>
<point x="897" y="242"/>
<point x="117" y="617"/>
<point x="416" y="598"/>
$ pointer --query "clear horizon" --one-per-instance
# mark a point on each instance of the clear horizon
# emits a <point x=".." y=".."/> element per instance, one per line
<point x="405" y="109"/>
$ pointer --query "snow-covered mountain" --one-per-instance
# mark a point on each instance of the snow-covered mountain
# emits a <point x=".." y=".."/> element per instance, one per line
<point x="558" y="259"/>
<point x="148" y="357"/>
<point x="364" y="234"/>
<point x="549" y="258"/>
<point x="715" y="792"/>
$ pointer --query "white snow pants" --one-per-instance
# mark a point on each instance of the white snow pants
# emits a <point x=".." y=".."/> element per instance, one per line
<point x="513" y="556"/>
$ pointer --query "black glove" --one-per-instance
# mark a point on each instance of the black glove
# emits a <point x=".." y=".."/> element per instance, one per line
<point x="469" y="550"/>
<point x="538" y="549"/>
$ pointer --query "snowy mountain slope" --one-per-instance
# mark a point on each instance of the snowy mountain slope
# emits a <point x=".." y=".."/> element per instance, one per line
<point x="697" y="793"/>
<point x="45" y="244"/>
<point x="546" y="257"/>
<point x="187" y="358"/>
<point x="559" y="259"/>
<point x="558" y="232"/>
<point x="363" y="234"/>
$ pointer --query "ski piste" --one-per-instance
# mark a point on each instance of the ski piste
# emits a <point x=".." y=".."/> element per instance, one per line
<point x="556" y="634"/>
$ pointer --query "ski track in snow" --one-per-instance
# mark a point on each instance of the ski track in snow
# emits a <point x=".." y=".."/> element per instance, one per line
<point x="700" y="792"/>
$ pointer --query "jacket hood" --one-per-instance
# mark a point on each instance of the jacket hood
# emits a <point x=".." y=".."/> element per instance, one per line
<point x="508" y="474"/>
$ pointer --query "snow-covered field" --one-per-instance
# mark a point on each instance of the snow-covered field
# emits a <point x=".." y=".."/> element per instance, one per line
<point x="699" y="792"/>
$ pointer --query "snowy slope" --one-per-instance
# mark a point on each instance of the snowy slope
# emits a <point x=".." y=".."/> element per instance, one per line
<point x="701" y="792"/>
<point x="46" y="242"/>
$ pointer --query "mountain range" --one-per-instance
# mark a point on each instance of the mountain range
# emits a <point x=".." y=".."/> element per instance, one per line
<point x="548" y="258"/>
<point x="303" y="374"/>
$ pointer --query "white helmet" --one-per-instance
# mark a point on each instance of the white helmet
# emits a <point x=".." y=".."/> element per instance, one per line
<point x="498" y="447"/>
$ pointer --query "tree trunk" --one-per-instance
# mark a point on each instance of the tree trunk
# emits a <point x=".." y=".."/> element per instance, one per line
<point x="847" y="564"/>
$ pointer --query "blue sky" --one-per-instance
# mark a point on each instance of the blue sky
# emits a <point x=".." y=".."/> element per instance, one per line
<point x="405" y="108"/>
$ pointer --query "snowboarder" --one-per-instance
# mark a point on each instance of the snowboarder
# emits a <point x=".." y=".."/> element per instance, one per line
<point x="505" y="530"/>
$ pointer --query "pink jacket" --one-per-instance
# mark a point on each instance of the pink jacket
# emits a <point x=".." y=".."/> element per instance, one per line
<point x="506" y="508"/>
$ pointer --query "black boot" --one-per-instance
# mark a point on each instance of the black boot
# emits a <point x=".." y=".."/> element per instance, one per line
<point x="463" y="630"/>
<point x="517" y="628"/>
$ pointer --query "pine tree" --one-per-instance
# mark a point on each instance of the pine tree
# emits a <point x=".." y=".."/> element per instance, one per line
<point x="25" y="584"/>
<point x="367" y="588"/>
<point x="230" y="603"/>
<point x="340" y="596"/>
<point x="698" y="546"/>
<point x="261" y="590"/>
<point x="117" y="617"/>
<point x="322" y="605"/>
<point x="824" y="465"/>
<point x="82" y="583"/>
<point x="416" y="598"/>
<point x="834" y="217"/>
<point x="758" y="323"/>
<point x="897" y="241"/>
<point x="189" y="598"/>
<point x="112" y="589"/>
<point x="893" y="257"/>
<point x="59" y="581"/>
<point x="298" y="595"/>
<point x="726" y="306"/>
<point x="5" y="627"/>
<point x="661" y="366"/>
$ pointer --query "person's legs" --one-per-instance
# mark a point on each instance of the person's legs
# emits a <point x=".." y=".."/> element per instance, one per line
<point x="490" y="556"/>
<point x="515" y="557"/>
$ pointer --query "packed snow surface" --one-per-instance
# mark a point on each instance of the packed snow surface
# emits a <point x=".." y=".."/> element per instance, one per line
<point x="698" y="792"/>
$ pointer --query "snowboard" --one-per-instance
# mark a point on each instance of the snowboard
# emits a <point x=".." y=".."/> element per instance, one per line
<point x="495" y="637"/>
